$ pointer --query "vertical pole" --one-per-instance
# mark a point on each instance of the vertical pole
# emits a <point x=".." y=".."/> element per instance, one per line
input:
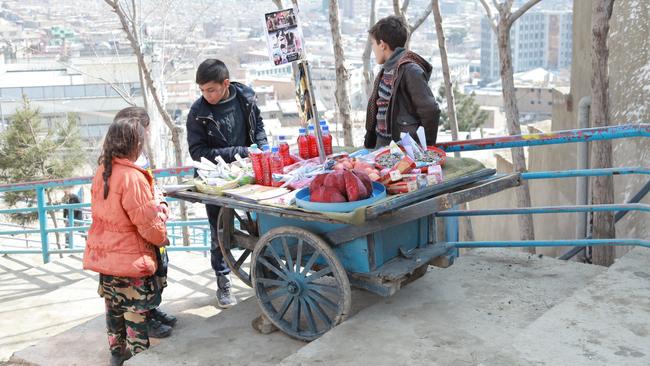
<point x="42" y="223"/>
<point x="314" y="110"/>
<point x="451" y="230"/>
<point x="70" y="224"/>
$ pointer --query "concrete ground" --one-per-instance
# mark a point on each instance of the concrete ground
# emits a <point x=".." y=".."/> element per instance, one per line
<point x="491" y="308"/>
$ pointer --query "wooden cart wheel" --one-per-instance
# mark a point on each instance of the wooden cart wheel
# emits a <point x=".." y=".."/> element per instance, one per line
<point x="309" y="292"/>
<point x="242" y="241"/>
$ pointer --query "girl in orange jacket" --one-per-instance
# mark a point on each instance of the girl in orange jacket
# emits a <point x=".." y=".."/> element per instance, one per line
<point x="128" y="224"/>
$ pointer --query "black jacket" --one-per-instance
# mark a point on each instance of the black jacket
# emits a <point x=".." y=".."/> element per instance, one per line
<point x="200" y="122"/>
<point x="411" y="104"/>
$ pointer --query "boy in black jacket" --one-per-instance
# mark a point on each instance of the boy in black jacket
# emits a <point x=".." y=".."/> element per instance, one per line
<point x="222" y="122"/>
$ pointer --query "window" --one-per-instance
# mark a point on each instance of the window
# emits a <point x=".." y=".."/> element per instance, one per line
<point x="53" y="92"/>
<point x="33" y="92"/>
<point x="74" y="91"/>
<point x="11" y="93"/>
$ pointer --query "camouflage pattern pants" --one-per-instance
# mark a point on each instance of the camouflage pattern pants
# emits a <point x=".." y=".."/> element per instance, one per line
<point x="128" y="300"/>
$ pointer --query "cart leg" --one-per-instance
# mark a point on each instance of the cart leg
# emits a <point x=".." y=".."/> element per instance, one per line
<point x="263" y="325"/>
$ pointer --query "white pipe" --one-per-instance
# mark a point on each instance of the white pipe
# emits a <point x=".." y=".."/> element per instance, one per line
<point x="582" y="183"/>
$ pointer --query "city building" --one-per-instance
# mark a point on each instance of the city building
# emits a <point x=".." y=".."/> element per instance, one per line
<point x="540" y="38"/>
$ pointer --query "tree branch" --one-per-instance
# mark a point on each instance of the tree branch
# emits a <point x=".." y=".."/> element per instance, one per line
<point x="517" y="14"/>
<point x="491" y="18"/>
<point x="405" y="6"/>
<point x="278" y="4"/>
<point x="421" y="19"/>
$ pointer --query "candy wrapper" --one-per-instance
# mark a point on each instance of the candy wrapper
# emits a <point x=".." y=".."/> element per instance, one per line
<point x="434" y="175"/>
<point x="394" y="174"/>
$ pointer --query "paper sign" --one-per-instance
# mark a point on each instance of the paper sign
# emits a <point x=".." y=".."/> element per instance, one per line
<point x="284" y="36"/>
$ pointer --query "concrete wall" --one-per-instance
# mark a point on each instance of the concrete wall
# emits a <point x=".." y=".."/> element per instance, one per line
<point x="629" y="102"/>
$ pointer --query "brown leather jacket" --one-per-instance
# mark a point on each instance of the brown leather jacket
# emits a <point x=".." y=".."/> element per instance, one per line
<point x="411" y="105"/>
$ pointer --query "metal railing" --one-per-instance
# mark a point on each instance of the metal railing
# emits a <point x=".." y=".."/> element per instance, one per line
<point x="199" y="229"/>
<point x="558" y="137"/>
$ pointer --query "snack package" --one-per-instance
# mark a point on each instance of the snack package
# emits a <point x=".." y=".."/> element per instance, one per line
<point x="434" y="175"/>
<point x="402" y="167"/>
<point x="404" y="186"/>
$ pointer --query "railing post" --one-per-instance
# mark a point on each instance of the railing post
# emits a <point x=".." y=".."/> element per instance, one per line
<point x="70" y="224"/>
<point x="451" y="230"/>
<point x="42" y="222"/>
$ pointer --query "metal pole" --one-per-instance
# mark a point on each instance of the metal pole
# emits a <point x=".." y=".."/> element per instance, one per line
<point x="582" y="183"/>
<point x="42" y="223"/>
<point x="314" y="112"/>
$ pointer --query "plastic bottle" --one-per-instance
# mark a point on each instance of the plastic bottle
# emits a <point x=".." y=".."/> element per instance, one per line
<point x="313" y="144"/>
<point x="256" y="159"/>
<point x="327" y="140"/>
<point x="303" y="144"/>
<point x="266" y="165"/>
<point x="284" y="151"/>
<point x="277" y="166"/>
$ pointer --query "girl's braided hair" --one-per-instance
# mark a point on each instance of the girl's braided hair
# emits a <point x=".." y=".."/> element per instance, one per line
<point x="124" y="139"/>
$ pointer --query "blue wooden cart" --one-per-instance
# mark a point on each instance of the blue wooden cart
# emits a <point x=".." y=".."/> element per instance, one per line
<point x="303" y="264"/>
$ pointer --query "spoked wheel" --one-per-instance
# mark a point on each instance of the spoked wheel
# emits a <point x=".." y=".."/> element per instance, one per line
<point x="237" y="244"/>
<point x="307" y="292"/>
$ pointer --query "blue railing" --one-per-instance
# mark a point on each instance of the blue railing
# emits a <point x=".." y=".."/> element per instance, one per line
<point x="198" y="228"/>
<point x="557" y="137"/>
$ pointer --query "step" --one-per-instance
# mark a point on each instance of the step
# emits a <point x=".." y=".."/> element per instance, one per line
<point x="86" y="343"/>
<point x="466" y="314"/>
<point x="40" y="302"/>
<point x="604" y="323"/>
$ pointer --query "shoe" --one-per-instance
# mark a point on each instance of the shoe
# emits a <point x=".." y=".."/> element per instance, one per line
<point x="156" y="329"/>
<point x="225" y="298"/>
<point x="118" y="359"/>
<point x="163" y="317"/>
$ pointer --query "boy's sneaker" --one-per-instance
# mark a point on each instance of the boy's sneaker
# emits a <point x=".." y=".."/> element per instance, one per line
<point x="163" y="317"/>
<point x="156" y="329"/>
<point x="225" y="298"/>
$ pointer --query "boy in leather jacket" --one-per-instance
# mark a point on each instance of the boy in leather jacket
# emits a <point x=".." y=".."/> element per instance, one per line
<point x="401" y="99"/>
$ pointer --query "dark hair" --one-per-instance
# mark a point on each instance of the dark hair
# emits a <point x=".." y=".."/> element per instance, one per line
<point x="124" y="139"/>
<point x="212" y="70"/>
<point x="391" y="30"/>
<point x="138" y="113"/>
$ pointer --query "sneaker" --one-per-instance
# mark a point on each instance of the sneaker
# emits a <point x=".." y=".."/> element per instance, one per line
<point x="163" y="317"/>
<point x="225" y="298"/>
<point x="156" y="329"/>
<point x="118" y="359"/>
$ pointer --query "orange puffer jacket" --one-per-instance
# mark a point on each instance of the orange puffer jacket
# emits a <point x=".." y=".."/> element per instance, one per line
<point x="125" y="224"/>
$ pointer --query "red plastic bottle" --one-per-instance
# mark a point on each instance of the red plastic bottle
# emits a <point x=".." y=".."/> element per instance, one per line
<point x="327" y="140"/>
<point x="277" y="166"/>
<point x="266" y="166"/>
<point x="256" y="159"/>
<point x="303" y="144"/>
<point x="284" y="151"/>
<point x="313" y="144"/>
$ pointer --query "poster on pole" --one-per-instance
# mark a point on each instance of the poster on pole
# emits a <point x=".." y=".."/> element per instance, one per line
<point x="284" y="37"/>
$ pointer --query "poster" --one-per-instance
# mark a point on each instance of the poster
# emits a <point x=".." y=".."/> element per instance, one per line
<point x="284" y="37"/>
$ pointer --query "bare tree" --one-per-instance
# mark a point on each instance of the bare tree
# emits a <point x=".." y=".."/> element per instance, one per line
<point x="368" y="76"/>
<point x="602" y="190"/>
<point x="128" y="19"/>
<point x="400" y="11"/>
<point x="278" y="4"/>
<point x="501" y="19"/>
<point x="342" y="98"/>
<point x="449" y="95"/>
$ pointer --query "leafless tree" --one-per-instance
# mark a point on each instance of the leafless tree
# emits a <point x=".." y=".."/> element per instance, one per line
<point x="401" y="11"/>
<point x="602" y="190"/>
<point x="501" y="19"/>
<point x="342" y="98"/>
<point x="368" y="76"/>
<point x="449" y="95"/>
<point x="127" y="14"/>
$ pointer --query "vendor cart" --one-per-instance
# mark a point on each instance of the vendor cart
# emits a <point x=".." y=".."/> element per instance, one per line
<point x="303" y="264"/>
